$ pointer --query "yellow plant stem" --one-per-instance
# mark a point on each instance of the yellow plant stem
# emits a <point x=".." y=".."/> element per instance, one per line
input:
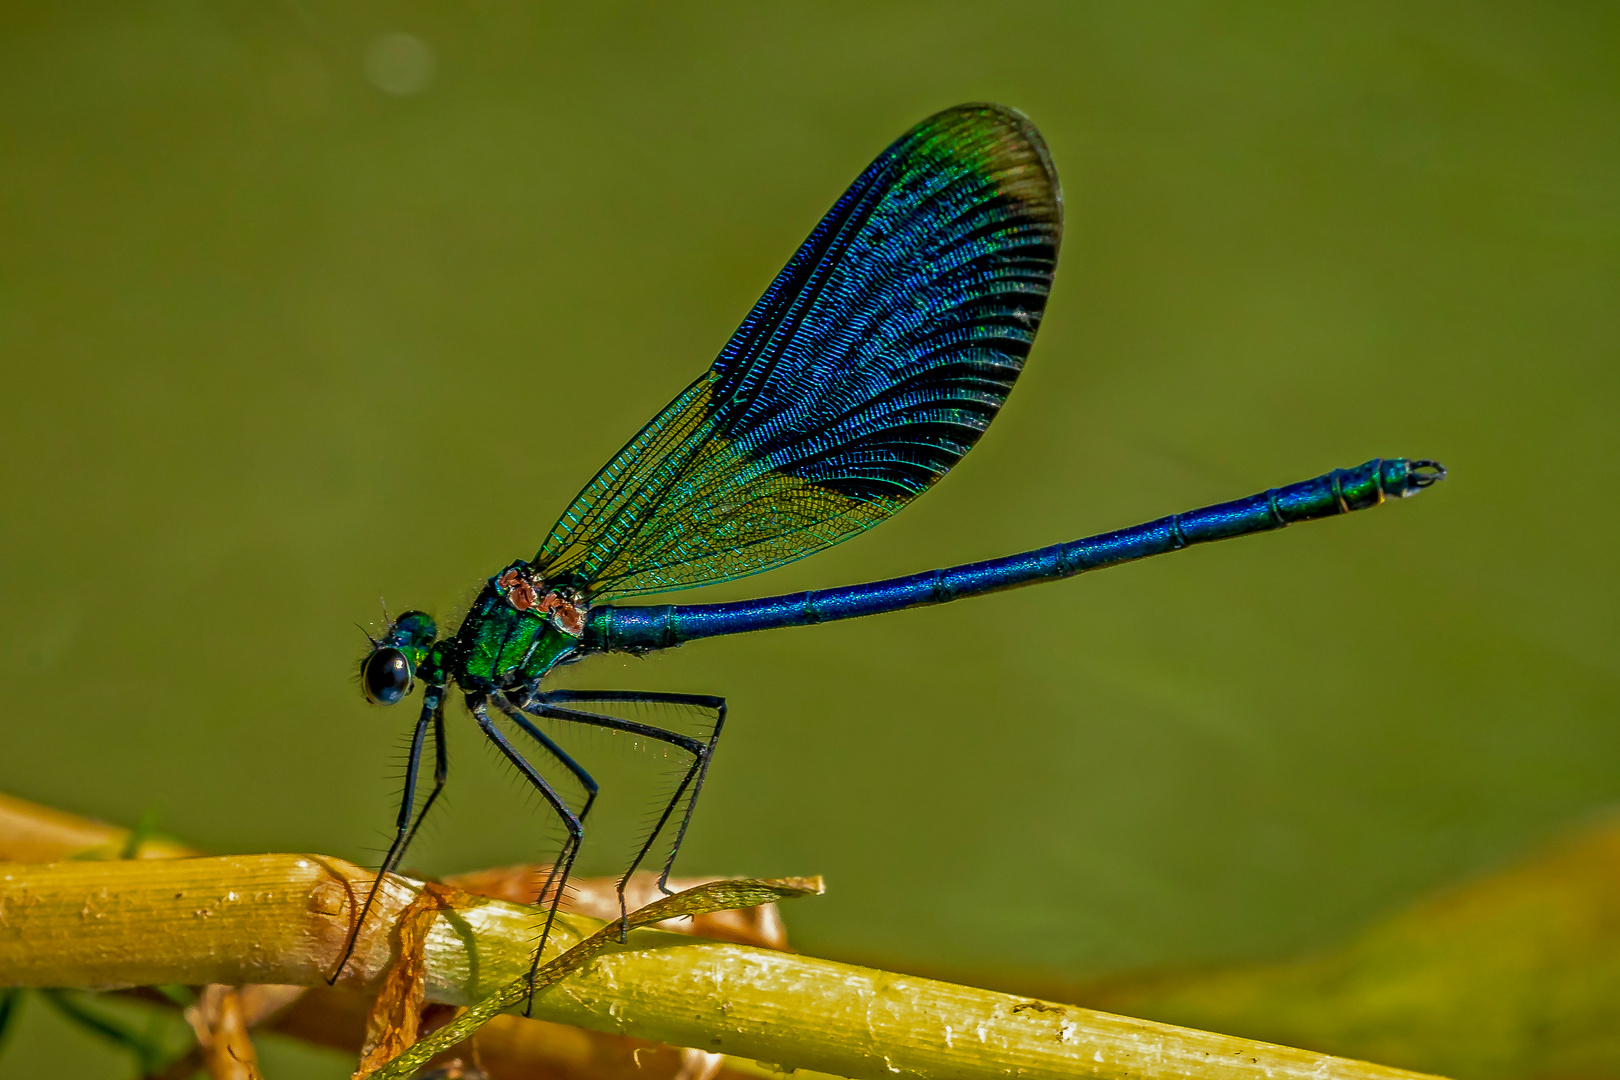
<point x="509" y="1045"/>
<point x="283" y="919"/>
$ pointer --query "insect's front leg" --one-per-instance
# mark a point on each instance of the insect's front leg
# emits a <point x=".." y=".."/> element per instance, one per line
<point x="404" y="827"/>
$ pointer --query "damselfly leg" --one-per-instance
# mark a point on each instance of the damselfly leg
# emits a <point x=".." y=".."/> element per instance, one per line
<point x="552" y="704"/>
<point x="585" y="779"/>
<point x="576" y="828"/>
<point x="404" y="827"/>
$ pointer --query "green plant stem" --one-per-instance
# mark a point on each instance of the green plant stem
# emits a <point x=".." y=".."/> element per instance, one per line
<point x="283" y="919"/>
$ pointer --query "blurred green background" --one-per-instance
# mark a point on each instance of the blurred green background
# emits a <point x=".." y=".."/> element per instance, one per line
<point x="296" y="312"/>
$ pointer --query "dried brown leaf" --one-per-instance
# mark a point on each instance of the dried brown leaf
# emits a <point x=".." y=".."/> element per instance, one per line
<point x="396" y="1015"/>
<point x="222" y="1033"/>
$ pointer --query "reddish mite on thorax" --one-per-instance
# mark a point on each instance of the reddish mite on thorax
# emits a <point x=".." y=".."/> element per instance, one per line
<point x="530" y="594"/>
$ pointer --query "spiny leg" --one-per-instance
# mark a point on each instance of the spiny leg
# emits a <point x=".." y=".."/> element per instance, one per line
<point x="701" y="752"/>
<point x="404" y="828"/>
<point x="549" y="704"/>
<point x="576" y="829"/>
<point x="441" y="769"/>
<point x="586" y="780"/>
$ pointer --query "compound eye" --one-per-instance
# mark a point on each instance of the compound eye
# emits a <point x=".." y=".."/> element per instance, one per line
<point x="386" y="676"/>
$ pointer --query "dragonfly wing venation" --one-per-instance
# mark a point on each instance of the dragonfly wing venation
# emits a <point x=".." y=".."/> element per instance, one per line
<point x="874" y="361"/>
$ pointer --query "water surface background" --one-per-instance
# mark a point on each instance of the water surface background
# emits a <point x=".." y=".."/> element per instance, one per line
<point x="297" y="312"/>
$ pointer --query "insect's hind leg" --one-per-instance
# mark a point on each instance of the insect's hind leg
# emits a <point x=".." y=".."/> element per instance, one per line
<point x="586" y="780"/>
<point x="576" y="828"/>
<point x="404" y="827"/>
<point x="551" y="704"/>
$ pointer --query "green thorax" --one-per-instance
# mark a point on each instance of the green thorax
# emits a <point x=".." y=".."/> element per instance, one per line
<point x="500" y="645"/>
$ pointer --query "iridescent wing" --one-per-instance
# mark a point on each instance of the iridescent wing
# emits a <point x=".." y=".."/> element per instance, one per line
<point x="874" y="361"/>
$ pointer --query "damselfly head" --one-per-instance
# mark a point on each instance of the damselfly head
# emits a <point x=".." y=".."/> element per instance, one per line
<point x="385" y="676"/>
<point x="389" y="670"/>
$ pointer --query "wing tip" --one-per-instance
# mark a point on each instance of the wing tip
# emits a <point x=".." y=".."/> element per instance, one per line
<point x="1023" y="129"/>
